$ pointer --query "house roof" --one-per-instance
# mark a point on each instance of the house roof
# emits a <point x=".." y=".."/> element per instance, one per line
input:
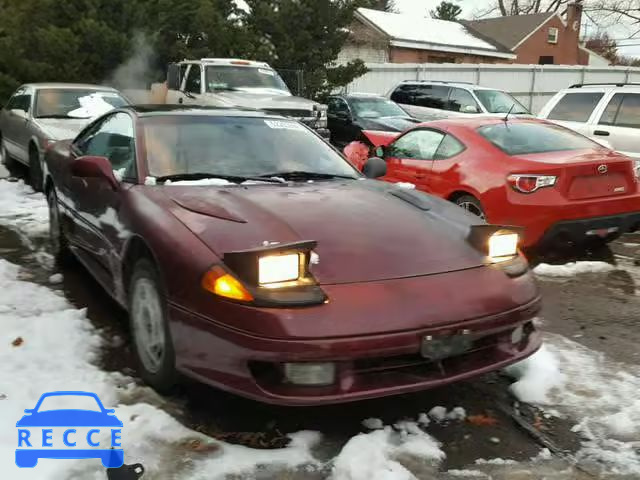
<point x="404" y="30"/>
<point x="509" y="31"/>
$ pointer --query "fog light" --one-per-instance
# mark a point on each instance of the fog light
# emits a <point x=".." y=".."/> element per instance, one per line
<point x="316" y="374"/>
<point x="517" y="335"/>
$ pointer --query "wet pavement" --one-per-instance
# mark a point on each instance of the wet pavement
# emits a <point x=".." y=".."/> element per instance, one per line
<point x="600" y="311"/>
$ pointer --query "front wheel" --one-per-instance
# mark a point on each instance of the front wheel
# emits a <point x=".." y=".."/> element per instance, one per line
<point x="5" y="159"/>
<point x="152" y="341"/>
<point x="471" y="205"/>
<point x="35" y="170"/>
<point x="57" y="239"/>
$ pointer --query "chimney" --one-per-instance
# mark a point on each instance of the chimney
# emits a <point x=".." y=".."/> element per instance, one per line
<point x="574" y="17"/>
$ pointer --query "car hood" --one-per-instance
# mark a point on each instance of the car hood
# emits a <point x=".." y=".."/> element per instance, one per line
<point x="69" y="418"/>
<point x="364" y="231"/>
<point x="263" y="100"/>
<point x="388" y="124"/>
<point x="62" y="128"/>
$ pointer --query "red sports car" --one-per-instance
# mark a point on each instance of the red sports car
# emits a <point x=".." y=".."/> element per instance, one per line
<point x="562" y="187"/>
<point x="253" y="257"/>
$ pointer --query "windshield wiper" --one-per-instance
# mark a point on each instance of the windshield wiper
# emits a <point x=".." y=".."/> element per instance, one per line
<point x="304" y="175"/>
<point x="202" y="176"/>
<point x="226" y="89"/>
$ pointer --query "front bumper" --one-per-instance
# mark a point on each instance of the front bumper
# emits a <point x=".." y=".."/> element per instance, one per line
<point x="367" y="366"/>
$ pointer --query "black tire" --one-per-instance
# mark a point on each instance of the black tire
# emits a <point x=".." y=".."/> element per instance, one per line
<point x="472" y="205"/>
<point x="7" y="161"/>
<point x="57" y="239"/>
<point x="157" y="370"/>
<point x="35" y="170"/>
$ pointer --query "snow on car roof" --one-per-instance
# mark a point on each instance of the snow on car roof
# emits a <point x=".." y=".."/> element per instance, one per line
<point x="423" y="32"/>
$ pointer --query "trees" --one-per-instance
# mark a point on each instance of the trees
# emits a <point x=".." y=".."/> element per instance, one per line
<point x="446" y="11"/>
<point x="603" y="45"/>
<point x="87" y="40"/>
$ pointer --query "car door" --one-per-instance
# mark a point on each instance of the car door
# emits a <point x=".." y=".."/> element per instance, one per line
<point x="619" y="123"/>
<point x="409" y="158"/>
<point x="15" y="124"/>
<point x="101" y="232"/>
<point x="340" y="121"/>
<point x="445" y="174"/>
<point x="575" y="110"/>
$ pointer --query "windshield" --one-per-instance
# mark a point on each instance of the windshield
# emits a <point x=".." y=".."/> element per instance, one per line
<point x="236" y="147"/>
<point x="376" y="107"/>
<point x="69" y="402"/>
<point x="75" y="103"/>
<point x="496" y="101"/>
<point x="232" y="77"/>
<point x="525" y="138"/>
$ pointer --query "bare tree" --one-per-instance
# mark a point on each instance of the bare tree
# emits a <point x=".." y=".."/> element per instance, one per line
<point x="523" y="7"/>
<point x="616" y="11"/>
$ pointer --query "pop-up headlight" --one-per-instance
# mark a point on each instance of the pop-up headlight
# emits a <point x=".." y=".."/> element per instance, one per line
<point x="499" y="244"/>
<point x="503" y="245"/>
<point x="273" y="269"/>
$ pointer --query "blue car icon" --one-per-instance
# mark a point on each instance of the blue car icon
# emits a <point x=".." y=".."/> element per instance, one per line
<point x="69" y="418"/>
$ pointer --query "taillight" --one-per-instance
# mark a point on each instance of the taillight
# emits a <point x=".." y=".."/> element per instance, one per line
<point x="529" y="183"/>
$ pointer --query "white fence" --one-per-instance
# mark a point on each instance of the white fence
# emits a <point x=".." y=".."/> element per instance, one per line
<point x="532" y="85"/>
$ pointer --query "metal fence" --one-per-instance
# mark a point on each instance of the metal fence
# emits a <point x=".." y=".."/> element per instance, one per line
<point x="294" y="79"/>
<point x="532" y="85"/>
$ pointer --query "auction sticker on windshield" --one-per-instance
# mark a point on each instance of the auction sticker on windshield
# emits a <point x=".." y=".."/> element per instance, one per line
<point x="284" y="124"/>
<point x="69" y="425"/>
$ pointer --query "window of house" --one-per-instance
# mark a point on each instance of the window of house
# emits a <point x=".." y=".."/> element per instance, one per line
<point x="552" y="35"/>
<point x="546" y="60"/>
<point x="575" y="107"/>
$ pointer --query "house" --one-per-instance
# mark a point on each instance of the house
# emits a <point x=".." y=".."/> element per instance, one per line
<point x="540" y="38"/>
<point x="595" y="59"/>
<point x="379" y="37"/>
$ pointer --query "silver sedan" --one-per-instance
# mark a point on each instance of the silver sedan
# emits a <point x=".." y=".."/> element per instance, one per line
<point x="40" y="114"/>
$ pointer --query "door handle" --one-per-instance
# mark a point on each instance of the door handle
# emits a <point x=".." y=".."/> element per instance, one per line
<point x="602" y="133"/>
<point x="180" y="100"/>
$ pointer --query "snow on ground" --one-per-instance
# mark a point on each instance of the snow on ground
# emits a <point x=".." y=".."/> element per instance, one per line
<point x="32" y="330"/>
<point x="601" y="396"/>
<point x="572" y="268"/>
<point x="23" y="210"/>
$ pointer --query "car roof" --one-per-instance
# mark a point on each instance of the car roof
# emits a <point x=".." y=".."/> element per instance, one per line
<point x="476" y="122"/>
<point x="188" y="110"/>
<point x="630" y="87"/>
<point x="59" y="85"/>
<point x="468" y="85"/>
<point x="359" y="95"/>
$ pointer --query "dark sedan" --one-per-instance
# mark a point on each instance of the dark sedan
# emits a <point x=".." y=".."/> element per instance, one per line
<point x="251" y="256"/>
<point x="348" y="115"/>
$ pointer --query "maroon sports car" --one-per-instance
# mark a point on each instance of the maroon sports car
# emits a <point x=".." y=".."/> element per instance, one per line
<point x="252" y="256"/>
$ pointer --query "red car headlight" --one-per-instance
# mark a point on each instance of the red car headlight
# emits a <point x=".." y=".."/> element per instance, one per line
<point x="271" y="276"/>
<point x="529" y="183"/>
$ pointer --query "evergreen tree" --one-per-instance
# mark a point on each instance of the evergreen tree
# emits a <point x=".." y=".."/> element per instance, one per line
<point x="446" y="11"/>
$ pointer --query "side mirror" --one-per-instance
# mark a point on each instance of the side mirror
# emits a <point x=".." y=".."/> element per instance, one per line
<point x="470" y="109"/>
<point x="173" y="77"/>
<point x="94" y="167"/>
<point x="374" y="167"/>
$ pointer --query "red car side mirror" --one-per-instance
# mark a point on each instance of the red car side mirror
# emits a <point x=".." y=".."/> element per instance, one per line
<point x="94" y="167"/>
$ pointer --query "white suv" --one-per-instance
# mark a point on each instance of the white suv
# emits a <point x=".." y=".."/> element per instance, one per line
<point x="429" y="99"/>
<point x="609" y="112"/>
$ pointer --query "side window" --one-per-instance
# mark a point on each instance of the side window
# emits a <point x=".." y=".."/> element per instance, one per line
<point x="461" y="100"/>
<point x="403" y="94"/>
<point x="183" y="72"/>
<point x="24" y="103"/>
<point x="112" y="138"/>
<point x="576" y="107"/>
<point x="432" y="96"/>
<point x="194" y="80"/>
<point x="449" y="147"/>
<point x="337" y="106"/>
<point x="417" y="144"/>
<point x="629" y="112"/>
<point x="609" y="115"/>
<point x="14" y="99"/>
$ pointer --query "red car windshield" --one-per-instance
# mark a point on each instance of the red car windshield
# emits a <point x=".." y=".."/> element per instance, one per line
<point x="236" y="146"/>
<point x="526" y="138"/>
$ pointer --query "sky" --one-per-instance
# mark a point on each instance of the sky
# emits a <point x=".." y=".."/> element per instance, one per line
<point x="471" y="8"/>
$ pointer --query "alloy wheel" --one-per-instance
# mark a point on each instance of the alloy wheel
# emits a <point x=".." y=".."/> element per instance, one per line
<point x="148" y="326"/>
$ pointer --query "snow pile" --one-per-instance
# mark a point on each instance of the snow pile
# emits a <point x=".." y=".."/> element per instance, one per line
<point x="23" y="210"/>
<point x="219" y="182"/>
<point x="46" y="345"/>
<point x="405" y="185"/>
<point x="536" y="377"/>
<point x="381" y="454"/>
<point x="572" y="268"/>
<point x="601" y="395"/>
